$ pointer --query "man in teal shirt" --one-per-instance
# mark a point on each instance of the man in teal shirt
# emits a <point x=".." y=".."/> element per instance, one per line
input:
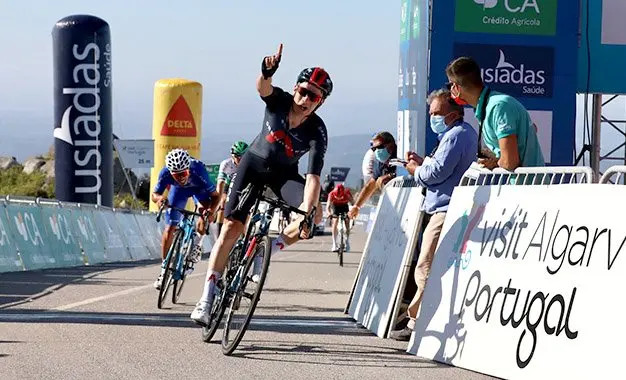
<point x="506" y="127"/>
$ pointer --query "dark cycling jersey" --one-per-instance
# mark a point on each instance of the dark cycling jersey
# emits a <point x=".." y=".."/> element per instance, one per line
<point x="198" y="183"/>
<point x="281" y="146"/>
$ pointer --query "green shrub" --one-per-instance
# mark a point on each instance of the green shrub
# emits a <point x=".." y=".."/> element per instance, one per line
<point x="14" y="181"/>
<point x="126" y="200"/>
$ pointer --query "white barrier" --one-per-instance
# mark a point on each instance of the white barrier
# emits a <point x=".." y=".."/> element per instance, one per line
<point x="387" y="257"/>
<point x="524" y="282"/>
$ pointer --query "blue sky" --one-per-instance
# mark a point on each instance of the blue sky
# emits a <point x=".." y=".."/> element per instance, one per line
<point x="218" y="43"/>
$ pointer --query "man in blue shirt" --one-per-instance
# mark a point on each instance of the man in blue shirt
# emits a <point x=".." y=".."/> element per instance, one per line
<point x="185" y="177"/>
<point x="458" y="145"/>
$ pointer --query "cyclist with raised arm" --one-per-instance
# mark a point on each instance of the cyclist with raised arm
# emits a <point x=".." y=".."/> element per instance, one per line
<point x="185" y="177"/>
<point x="338" y="204"/>
<point x="225" y="176"/>
<point x="290" y="129"/>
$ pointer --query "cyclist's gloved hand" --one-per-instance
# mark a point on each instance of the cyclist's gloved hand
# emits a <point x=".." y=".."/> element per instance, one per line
<point x="307" y="226"/>
<point x="162" y="201"/>
<point x="269" y="65"/>
<point x="207" y="213"/>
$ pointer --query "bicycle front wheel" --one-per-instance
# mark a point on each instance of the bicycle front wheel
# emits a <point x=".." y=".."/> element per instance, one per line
<point x="170" y="267"/>
<point x="342" y="245"/>
<point x="178" y="285"/>
<point x="221" y="299"/>
<point x="245" y="297"/>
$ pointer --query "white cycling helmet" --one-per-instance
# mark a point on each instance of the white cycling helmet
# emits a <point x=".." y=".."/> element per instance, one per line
<point x="177" y="160"/>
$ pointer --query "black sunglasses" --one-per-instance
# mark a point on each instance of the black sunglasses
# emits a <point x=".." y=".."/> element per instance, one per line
<point x="375" y="148"/>
<point x="309" y="94"/>
<point x="448" y="85"/>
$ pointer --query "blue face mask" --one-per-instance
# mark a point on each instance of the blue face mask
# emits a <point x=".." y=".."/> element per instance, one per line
<point x="382" y="155"/>
<point x="437" y="124"/>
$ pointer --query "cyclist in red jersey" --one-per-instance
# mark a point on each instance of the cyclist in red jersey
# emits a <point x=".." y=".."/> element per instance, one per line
<point x="337" y="204"/>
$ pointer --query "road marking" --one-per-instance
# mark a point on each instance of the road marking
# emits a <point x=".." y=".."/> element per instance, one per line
<point x="78" y="316"/>
<point x="27" y="283"/>
<point x="113" y="295"/>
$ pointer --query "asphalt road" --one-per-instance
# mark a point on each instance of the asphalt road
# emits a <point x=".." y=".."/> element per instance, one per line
<point x="101" y="322"/>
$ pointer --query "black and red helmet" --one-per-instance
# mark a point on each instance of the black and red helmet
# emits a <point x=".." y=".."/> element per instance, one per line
<point x="317" y="76"/>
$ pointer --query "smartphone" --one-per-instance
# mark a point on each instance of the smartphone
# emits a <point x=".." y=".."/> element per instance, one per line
<point x="397" y="162"/>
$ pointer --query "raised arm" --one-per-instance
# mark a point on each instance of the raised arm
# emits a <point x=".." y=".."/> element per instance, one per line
<point x="269" y="65"/>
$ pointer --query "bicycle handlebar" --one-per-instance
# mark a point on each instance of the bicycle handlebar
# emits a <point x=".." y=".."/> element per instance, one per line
<point x="182" y="210"/>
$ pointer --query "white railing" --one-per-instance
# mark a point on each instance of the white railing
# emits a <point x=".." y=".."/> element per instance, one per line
<point x="614" y="171"/>
<point x="549" y="175"/>
<point x="406" y="181"/>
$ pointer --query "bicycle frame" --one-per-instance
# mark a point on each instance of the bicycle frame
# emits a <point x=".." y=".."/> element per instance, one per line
<point x="188" y="227"/>
<point x="261" y="221"/>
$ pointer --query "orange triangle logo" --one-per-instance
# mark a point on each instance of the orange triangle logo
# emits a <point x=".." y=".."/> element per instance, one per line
<point x="179" y="121"/>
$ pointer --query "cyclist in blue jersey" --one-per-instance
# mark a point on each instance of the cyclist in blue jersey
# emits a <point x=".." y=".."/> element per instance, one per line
<point x="185" y="177"/>
<point x="291" y="128"/>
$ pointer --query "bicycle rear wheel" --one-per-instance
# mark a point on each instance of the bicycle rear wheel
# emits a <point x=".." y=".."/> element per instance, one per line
<point x="221" y="300"/>
<point x="245" y="298"/>
<point x="170" y="267"/>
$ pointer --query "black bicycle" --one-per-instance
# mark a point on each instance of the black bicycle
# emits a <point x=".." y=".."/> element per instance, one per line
<point x="178" y="261"/>
<point x="343" y="233"/>
<point x="239" y="290"/>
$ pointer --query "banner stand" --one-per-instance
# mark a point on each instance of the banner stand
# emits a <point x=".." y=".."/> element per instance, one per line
<point x="373" y="301"/>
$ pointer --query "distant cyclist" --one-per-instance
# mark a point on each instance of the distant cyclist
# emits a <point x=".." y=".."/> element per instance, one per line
<point x="337" y="204"/>
<point x="225" y="176"/>
<point x="185" y="177"/>
<point x="290" y="129"/>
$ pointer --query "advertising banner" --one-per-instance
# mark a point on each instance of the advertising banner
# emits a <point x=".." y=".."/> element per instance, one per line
<point x="525" y="17"/>
<point x="527" y="49"/>
<point x="9" y="259"/>
<point x="132" y="236"/>
<point x="214" y="171"/>
<point x="92" y="244"/>
<point x="525" y="285"/>
<point x="519" y="71"/>
<point x="339" y="174"/>
<point x="176" y="123"/>
<point x="412" y="76"/>
<point x="81" y="53"/>
<point x="29" y="234"/>
<point x="111" y="234"/>
<point x="151" y="233"/>
<point x="61" y="239"/>
<point x="388" y="250"/>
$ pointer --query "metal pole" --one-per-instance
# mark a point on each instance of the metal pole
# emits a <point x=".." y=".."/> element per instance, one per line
<point x="130" y="184"/>
<point x="596" y="124"/>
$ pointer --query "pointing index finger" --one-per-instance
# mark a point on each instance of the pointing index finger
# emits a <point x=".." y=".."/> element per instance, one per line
<point x="280" y="50"/>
